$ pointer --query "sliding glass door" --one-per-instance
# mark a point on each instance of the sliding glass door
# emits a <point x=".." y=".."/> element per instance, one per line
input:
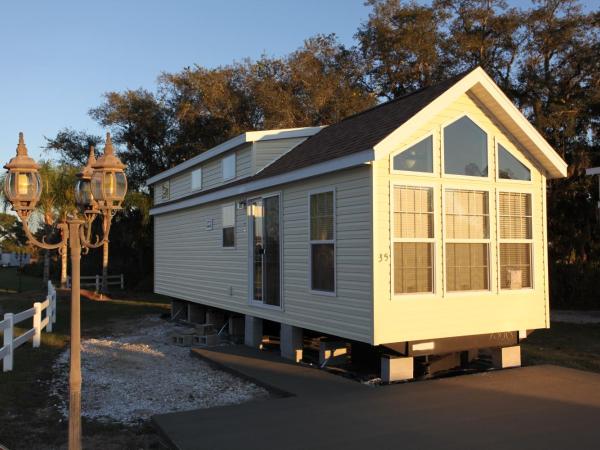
<point x="265" y="250"/>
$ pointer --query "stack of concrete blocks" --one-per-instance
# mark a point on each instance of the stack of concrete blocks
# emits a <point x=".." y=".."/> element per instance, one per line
<point x="332" y="351"/>
<point x="506" y="357"/>
<point x="290" y="342"/>
<point x="396" y="368"/>
<point x="236" y="329"/>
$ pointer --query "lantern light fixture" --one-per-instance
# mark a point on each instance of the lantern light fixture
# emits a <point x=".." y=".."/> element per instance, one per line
<point x="22" y="184"/>
<point x="108" y="183"/>
<point x="83" y="191"/>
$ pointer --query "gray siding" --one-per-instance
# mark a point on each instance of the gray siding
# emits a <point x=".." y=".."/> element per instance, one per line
<point x="181" y="184"/>
<point x="265" y="152"/>
<point x="190" y="263"/>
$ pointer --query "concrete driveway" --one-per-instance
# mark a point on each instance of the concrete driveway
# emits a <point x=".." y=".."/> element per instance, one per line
<point x="538" y="407"/>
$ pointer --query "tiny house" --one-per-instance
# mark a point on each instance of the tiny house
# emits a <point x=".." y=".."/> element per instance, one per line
<point x="418" y="225"/>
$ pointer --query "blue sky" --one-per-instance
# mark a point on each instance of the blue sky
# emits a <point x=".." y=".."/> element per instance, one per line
<point x="58" y="57"/>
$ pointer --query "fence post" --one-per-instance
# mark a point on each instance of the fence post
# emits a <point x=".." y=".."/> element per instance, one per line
<point x="97" y="283"/>
<point x="54" y="305"/>
<point x="37" y="324"/>
<point x="7" y="363"/>
<point x="122" y="282"/>
<point x="49" y="313"/>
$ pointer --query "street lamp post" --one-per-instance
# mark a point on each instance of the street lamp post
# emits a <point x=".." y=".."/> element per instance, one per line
<point x="100" y="190"/>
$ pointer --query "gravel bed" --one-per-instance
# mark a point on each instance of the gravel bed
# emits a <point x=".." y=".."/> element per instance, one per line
<point x="132" y="377"/>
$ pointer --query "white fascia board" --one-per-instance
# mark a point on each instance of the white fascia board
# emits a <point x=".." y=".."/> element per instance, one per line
<point x="250" y="136"/>
<point x="333" y="165"/>
<point x="592" y="171"/>
<point x="551" y="161"/>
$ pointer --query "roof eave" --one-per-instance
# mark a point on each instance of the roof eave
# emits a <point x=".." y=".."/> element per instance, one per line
<point x="244" y="138"/>
<point x="479" y="81"/>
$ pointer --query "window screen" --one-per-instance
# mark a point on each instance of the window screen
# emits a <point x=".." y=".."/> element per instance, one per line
<point x="418" y="158"/>
<point x="465" y="149"/>
<point x="467" y="240"/>
<point x="228" y="225"/>
<point x="228" y="166"/>
<point x="515" y="240"/>
<point x="322" y="242"/>
<point x="197" y="179"/>
<point x="413" y="239"/>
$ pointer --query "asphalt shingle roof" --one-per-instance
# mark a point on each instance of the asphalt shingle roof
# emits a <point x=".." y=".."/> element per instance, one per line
<point x="359" y="132"/>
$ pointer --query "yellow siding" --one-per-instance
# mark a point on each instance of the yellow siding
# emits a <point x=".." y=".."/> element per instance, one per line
<point x="400" y="318"/>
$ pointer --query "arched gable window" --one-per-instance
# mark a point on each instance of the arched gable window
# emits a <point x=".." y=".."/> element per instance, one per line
<point x="465" y="149"/>
<point x="510" y="168"/>
<point x="416" y="158"/>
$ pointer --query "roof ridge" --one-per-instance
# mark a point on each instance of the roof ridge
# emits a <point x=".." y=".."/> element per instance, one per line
<point x="408" y="94"/>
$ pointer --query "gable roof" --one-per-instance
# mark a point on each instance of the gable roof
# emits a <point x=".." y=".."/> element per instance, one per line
<point x="358" y="132"/>
<point x="374" y="133"/>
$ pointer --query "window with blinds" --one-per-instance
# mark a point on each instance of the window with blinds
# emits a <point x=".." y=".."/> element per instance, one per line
<point x="467" y="233"/>
<point x="515" y="240"/>
<point x="413" y="240"/>
<point x="322" y="242"/>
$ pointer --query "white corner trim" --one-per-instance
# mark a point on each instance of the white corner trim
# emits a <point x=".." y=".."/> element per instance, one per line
<point x="332" y="165"/>
<point x="547" y="156"/>
<point x="249" y="136"/>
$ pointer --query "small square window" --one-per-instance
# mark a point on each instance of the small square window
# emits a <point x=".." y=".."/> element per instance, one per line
<point x="197" y="179"/>
<point x="228" y="166"/>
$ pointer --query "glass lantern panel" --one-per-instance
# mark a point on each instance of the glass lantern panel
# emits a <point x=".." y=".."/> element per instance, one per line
<point x="97" y="186"/>
<point x="37" y="185"/>
<point x="109" y="185"/>
<point x="24" y="184"/>
<point x="83" y="193"/>
<point x="121" y="184"/>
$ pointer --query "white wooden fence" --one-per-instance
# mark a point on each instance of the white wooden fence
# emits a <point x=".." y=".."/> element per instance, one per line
<point x="10" y="320"/>
<point x="95" y="281"/>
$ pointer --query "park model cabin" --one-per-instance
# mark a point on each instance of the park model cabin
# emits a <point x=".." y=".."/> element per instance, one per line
<point x="419" y="224"/>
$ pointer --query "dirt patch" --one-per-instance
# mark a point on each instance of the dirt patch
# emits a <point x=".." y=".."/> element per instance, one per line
<point x="129" y="377"/>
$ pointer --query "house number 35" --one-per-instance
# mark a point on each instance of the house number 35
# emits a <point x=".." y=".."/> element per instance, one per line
<point x="383" y="257"/>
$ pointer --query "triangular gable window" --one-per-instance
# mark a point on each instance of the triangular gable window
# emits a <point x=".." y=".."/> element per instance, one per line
<point x="510" y="168"/>
<point x="417" y="158"/>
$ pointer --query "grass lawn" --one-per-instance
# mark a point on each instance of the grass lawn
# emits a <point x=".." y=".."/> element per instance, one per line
<point x="12" y="281"/>
<point x="28" y="418"/>
<point x="565" y="344"/>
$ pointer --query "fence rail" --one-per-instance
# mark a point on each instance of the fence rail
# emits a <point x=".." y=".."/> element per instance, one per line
<point x="10" y="343"/>
<point x="95" y="281"/>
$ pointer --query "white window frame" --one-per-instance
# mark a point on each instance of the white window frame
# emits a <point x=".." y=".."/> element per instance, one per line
<point x="517" y="155"/>
<point x="515" y="241"/>
<point x="432" y="240"/>
<point x="233" y="247"/>
<point x="490" y="153"/>
<point x="224" y="160"/>
<point x="435" y="160"/>
<point x="445" y="240"/>
<point x="196" y="171"/>
<point x="250" y="231"/>
<point x="331" y="241"/>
